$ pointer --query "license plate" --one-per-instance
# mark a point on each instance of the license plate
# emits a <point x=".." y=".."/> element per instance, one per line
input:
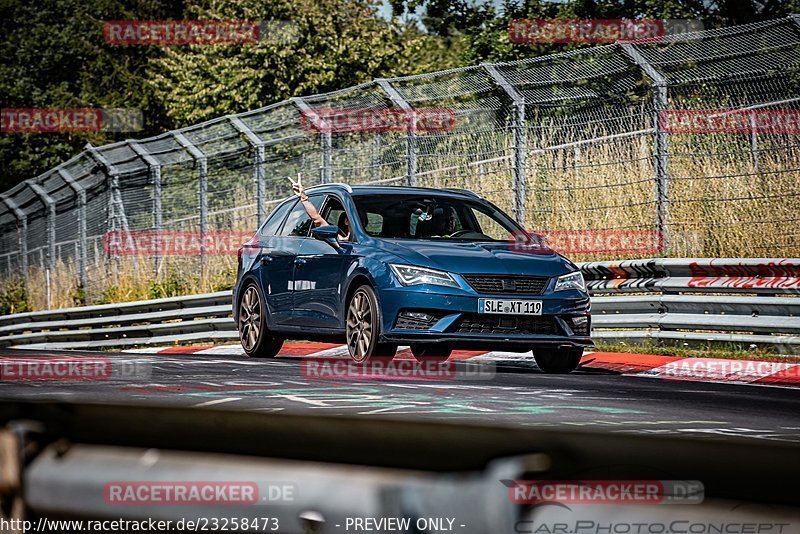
<point x="510" y="307"/>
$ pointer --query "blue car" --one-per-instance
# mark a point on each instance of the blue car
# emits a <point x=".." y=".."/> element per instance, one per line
<point x="434" y="269"/>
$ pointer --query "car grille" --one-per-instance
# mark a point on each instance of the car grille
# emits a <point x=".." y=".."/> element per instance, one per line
<point x="478" y="323"/>
<point x="507" y="284"/>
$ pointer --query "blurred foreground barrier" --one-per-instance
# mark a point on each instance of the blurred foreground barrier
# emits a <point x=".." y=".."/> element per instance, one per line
<point x="695" y="301"/>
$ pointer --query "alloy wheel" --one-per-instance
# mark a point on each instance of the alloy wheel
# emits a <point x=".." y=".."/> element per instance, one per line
<point x="250" y="318"/>
<point x="360" y="325"/>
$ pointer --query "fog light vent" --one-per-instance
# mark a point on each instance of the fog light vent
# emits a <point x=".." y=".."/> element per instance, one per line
<point x="416" y="320"/>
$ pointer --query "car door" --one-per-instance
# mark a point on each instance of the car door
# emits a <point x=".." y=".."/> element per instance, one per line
<point x="319" y="276"/>
<point x="278" y="261"/>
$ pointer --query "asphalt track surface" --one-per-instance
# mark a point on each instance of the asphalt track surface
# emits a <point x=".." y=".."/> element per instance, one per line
<point x="512" y="394"/>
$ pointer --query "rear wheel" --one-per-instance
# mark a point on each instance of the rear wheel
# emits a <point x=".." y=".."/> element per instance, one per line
<point x="256" y="340"/>
<point x="558" y="361"/>
<point x="363" y="327"/>
<point x="427" y="352"/>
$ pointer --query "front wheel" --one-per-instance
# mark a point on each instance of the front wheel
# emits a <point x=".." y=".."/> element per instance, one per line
<point x="256" y="340"/>
<point x="558" y="361"/>
<point x="363" y="327"/>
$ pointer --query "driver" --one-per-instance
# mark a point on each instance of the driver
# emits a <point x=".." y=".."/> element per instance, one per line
<point x="445" y="224"/>
<point x="316" y="218"/>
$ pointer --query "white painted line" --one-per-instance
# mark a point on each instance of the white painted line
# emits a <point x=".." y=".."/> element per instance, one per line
<point x="224" y="350"/>
<point x="217" y="401"/>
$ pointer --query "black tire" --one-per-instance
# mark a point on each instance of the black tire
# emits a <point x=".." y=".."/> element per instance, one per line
<point x="430" y="352"/>
<point x="558" y="361"/>
<point x="252" y="325"/>
<point x="363" y="327"/>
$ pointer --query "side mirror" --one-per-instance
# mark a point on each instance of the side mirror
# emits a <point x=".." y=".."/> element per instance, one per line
<point x="326" y="233"/>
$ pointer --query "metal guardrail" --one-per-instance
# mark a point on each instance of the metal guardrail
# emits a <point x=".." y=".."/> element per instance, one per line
<point x="695" y="301"/>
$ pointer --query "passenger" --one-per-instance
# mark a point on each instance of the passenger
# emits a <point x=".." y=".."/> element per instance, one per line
<point x="316" y="218"/>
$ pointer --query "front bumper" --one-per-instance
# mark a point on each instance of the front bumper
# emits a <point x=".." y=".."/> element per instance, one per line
<point x="456" y="323"/>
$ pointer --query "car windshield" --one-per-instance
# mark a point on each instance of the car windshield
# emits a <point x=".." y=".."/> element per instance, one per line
<point x="438" y="217"/>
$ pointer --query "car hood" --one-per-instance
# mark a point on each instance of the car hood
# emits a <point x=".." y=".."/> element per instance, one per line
<point x="470" y="257"/>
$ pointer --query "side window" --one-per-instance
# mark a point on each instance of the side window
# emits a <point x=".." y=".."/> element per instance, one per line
<point x="298" y="223"/>
<point x="274" y="221"/>
<point x="333" y="210"/>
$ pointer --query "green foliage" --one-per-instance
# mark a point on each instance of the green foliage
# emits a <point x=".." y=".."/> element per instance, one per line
<point x="172" y="283"/>
<point x="12" y="296"/>
<point x="53" y="55"/>
<point x="322" y="45"/>
<point x="483" y="25"/>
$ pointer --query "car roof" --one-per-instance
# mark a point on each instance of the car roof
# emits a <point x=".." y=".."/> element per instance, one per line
<point x="356" y="190"/>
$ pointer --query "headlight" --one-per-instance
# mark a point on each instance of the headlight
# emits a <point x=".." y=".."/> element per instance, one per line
<point x="571" y="281"/>
<point x="409" y="275"/>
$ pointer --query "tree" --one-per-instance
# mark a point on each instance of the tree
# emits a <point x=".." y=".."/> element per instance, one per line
<point x="319" y="46"/>
<point x="484" y="25"/>
<point x="53" y="55"/>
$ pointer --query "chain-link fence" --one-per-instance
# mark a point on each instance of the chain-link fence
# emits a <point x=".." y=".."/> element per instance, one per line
<point x="566" y="142"/>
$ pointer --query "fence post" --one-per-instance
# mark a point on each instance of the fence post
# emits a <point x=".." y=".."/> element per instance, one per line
<point x="754" y="142"/>
<point x="50" y="205"/>
<point x="325" y="139"/>
<point x="258" y="146"/>
<point x="201" y="161"/>
<point x="411" y="134"/>
<point x="22" y="219"/>
<point x="520" y="140"/>
<point x="154" y="168"/>
<point x="80" y="192"/>
<point x="661" y="155"/>
<point x="116" y="208"/>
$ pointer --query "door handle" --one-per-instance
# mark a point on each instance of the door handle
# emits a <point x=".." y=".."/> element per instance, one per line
<point x="266" y="260"/>
<point x="299" y="261"/>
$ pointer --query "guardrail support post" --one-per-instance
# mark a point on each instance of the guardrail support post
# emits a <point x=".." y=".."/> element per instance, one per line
<point x="258" y="147"/>
<point x="116" y="208"/>
<point x="80" y="192"/>
<point x="411" y="134"/>
<point x="201" y="161"/>
<point x="325" y="139"/>
<point x="520" y="140"/>
<point x="22" y="219"/>
<point x="50" y="205"/>
<point x="154" y="168"/>
<point x="661" y="154"/>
